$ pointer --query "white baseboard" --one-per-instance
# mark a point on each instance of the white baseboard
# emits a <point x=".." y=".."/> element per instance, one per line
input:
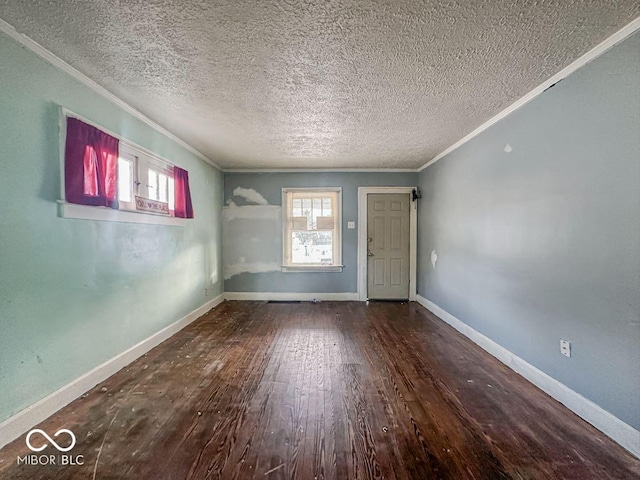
<point x="286" y="296"/>
<point x="622" y="433"/>
<point x="21" y="422"/>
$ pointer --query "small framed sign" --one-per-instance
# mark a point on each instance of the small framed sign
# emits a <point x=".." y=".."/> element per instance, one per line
<point x="154" y="206"/>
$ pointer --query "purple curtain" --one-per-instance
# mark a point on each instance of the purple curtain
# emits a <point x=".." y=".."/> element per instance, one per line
<point x="90" y="165"/>
<point x="183" y="206"/>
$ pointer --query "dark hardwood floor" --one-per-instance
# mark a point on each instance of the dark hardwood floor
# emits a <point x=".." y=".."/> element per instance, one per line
<point x="314" y="391"/>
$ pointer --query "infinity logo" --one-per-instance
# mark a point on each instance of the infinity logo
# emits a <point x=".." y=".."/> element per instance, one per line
<point x="62" y="449"/>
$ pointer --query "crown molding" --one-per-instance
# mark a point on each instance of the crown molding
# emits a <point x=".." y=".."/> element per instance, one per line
<point x="319" y="170"/>
<point x="592" y="54"/>
<point x="82" y="78"/>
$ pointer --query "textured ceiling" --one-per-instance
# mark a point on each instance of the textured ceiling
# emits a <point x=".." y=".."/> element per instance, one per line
<point x="319" y="84"/>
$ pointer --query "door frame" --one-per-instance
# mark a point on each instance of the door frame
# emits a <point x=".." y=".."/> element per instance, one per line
<point x="362" y="237"/>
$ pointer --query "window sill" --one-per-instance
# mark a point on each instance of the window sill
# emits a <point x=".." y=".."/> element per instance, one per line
<point x="104" y="214"/>
<point x="311" y="268"/>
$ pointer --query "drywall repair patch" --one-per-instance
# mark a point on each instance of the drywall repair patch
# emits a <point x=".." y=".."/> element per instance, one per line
<point x="251" y="238"/>
<point x="250" y="195"/>
<point x="434" y="258"/>
<point x="249" y="267"/>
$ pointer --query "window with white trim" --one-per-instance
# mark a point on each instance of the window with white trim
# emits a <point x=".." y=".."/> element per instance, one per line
<point x="312" y="229"/>
<point x="105" y="177"/>
<point x="145" y="177"/>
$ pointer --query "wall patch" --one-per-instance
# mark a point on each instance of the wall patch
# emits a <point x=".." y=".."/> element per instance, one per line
<point x="250" y="195"/>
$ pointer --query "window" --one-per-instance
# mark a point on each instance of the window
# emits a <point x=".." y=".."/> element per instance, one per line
<point x="102" y="170"/>
<point x="126" y="178"/>
<point x="312" y="229"/>
<point x="146" y="177"/>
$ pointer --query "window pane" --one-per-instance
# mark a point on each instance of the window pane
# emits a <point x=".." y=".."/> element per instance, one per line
<point x="152" y="184"/>
<point x="312" y="248"/>
<point x="162" y="187"/>
<point x="316" y="212"/>
<point x="125" y="170"/>
<point x="172" y="197"/>
<point x="297" y="207"/>
<point x="326" y="207"/>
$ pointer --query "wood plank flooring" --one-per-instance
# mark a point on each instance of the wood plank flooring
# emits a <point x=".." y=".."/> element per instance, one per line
<point x="321" y="391"/>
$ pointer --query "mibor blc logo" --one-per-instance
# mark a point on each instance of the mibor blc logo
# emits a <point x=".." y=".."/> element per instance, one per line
<point x="51" y="440"/>
<point x="39" y="445"/>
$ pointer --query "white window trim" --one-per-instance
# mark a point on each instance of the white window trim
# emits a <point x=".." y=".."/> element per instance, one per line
<point x="106" y="214"/>
<point x="311" y="268"/>
<point x="90" y="212"/>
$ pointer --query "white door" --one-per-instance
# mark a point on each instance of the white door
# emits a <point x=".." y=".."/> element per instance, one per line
<point x="388" y="246"/>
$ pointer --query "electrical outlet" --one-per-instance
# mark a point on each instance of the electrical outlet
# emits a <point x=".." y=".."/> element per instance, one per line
<point x="565" y="348"/>
<point x="351" y="224"/>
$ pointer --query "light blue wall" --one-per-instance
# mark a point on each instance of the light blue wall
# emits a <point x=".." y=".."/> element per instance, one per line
<point x="543" y="243"/>
<point x="270" y="185"/>
<point x="74" y="293"/>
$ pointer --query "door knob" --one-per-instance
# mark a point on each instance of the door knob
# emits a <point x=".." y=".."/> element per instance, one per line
<point x="369" y="254"/>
